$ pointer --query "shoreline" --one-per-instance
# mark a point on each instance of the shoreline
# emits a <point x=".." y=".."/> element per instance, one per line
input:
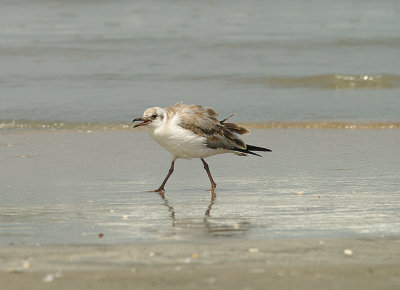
<point x="38" y="125"/>
<point x="306" y="263"/>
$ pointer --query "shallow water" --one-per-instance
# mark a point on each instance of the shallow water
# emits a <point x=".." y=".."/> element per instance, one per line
<point x="69" y="186"/>
<point x="99" y="61"/>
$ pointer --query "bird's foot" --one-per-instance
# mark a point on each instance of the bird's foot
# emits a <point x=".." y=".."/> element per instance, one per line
<point x="159" y="190"/>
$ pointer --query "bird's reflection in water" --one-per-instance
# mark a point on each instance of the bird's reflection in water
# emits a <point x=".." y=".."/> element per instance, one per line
<point x="170" y="208"/>
<point x="208" y="211"/>
<point x="216" y="227"/>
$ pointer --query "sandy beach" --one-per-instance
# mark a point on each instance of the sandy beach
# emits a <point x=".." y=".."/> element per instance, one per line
<point x="345" y="263"/>
<point x="81" y="217"/>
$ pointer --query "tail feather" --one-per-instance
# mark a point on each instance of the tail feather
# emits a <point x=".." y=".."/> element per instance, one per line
<point x="250" y="148"/>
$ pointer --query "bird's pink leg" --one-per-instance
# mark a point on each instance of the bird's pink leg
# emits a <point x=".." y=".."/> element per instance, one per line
<point x="171" y="169"/>
<point x="213" y="184"/>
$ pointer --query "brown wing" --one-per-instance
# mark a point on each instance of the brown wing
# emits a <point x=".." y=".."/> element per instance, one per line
<point x="203" y="122"/>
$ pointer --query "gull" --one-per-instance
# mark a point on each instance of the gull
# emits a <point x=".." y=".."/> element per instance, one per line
<point x="193" y="131"/>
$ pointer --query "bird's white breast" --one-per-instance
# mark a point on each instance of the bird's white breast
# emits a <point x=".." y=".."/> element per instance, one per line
<point x="181" y="143"/>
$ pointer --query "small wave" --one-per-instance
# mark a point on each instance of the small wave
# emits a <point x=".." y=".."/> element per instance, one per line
<point x="23" y="125"/>
<point x="330" y="81"/>
<point x="391" y="42"/>
<point x="324" y="81"/>
<point x="322" y="125"/>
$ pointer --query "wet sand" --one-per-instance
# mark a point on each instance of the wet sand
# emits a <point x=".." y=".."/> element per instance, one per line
<point x="67" y="186"/>
<point x="319" y="212"/>
<point x="345" y="263"/>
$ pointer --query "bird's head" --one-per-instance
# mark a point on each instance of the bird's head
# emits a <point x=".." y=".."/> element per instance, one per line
<point x="152" y="118"/>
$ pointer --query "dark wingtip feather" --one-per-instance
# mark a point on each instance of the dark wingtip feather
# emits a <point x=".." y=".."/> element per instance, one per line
<point x="245" y="152"/>
<point x="250" y="148"/>
<point x="256" y="148"/>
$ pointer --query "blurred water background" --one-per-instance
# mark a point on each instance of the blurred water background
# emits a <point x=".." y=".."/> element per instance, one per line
<point x="106" y="61"/>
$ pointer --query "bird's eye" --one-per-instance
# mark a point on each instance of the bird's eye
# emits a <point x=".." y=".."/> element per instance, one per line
<point x="154" y="116"/>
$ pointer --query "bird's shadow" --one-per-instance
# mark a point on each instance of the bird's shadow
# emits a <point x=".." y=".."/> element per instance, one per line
<point x="215" y="227"/>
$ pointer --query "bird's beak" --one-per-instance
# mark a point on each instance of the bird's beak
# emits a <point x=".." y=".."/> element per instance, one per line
<point x="145" y="121"/>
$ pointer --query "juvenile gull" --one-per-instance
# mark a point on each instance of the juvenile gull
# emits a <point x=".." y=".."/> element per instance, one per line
<point x="193" y="131"/>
